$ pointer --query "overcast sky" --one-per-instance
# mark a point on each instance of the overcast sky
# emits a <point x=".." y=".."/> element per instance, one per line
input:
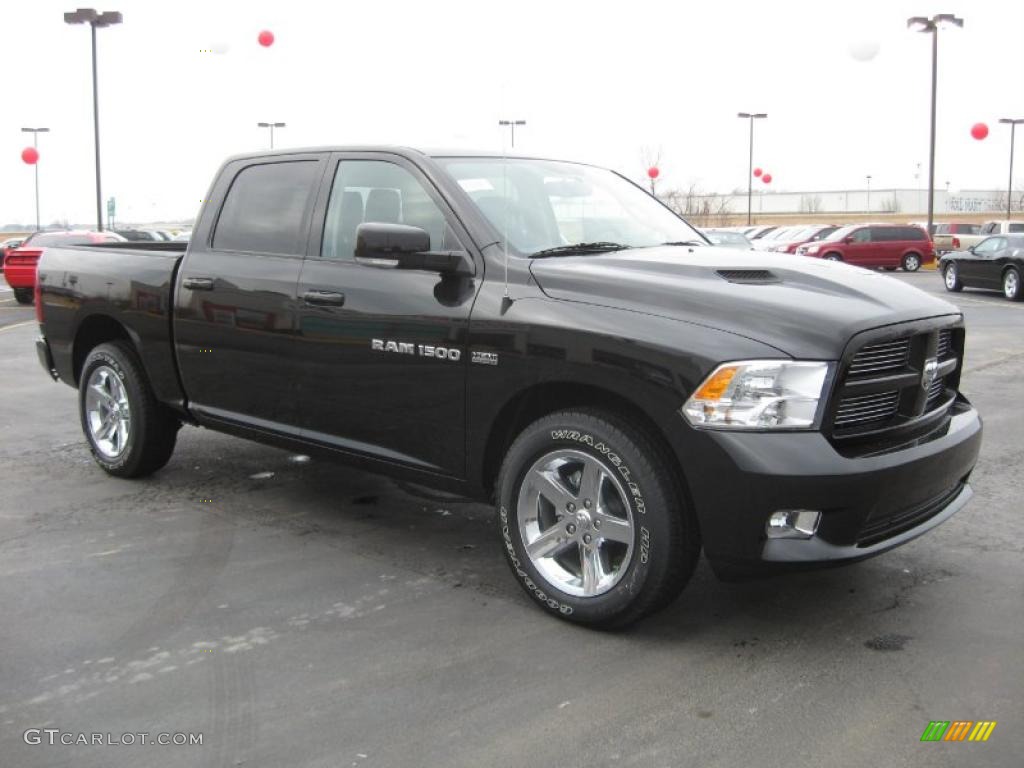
<point x="594" y="81"/>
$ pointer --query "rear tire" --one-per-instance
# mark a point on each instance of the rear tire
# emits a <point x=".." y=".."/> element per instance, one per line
<point x="951" y="278"/>
<point x="1011" y="285"/>
<point x="129" y="433"/>
<point x="23" y="295"/>
<point x="911" y="262"/>
<point x="593" y="524"/>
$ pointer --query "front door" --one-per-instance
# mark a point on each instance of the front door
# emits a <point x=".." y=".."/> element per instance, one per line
<point x="383" y="350"/>
<point x="859" y="250"/>
<point x="235" y="320"/>
<point x="981" y="270"/>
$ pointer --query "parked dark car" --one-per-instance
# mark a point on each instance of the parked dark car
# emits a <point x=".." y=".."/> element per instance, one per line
<point x="885" y="246"/>
<point x="623" y="392"/>
<point x="996" y="263"/>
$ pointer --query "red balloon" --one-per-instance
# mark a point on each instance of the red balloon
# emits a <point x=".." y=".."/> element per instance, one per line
<point x="767" y="178"/>
<point x="266" y="38"/>
<point x="30" y="155"/>
<point x="979" y="131"/>
<point x="653" y="172"/>
<point x="757" y="173"/>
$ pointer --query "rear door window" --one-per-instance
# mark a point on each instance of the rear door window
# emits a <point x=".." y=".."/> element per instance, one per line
<point x="265" y="209"/>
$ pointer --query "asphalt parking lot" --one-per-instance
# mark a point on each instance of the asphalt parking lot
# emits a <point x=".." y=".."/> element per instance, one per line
<point x="301" y="614"/>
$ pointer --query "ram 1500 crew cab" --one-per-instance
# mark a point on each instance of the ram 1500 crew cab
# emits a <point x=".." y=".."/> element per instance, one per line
<point x="542" y="334"/>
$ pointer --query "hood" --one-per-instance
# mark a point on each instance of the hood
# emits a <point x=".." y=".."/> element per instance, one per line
<point x="805" y="307"/>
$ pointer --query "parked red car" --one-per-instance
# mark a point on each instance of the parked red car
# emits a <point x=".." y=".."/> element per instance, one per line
<point x="20" y="262"/>
<point x="888" y="246"/>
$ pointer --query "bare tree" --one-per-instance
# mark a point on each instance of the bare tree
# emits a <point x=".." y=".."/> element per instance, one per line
<point x="650" y="157"/>
<point x="890" y="205"/>
<point x="811" y="204"/>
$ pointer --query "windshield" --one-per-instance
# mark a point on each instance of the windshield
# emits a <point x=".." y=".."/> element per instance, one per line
<point x="842" y="232"/>
<point x="547" y="204"/>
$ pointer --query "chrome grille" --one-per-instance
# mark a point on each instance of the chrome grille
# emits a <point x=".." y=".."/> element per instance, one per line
<point x="935" y="393"/>
<point x="886" y="356"/>
<point x="866" y="408"/>
<point x="945" y="344"/>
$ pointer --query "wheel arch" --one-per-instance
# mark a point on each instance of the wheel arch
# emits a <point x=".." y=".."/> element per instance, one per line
<point x="93" y="331"/>
<point x="543" y="398"/>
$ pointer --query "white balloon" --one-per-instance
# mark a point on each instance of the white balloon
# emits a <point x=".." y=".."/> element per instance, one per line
<point x="220" y="48"/>
<point x="864" y="50"/>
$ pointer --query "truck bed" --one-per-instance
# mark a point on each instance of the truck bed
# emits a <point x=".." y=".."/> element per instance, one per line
<point x="84" y="286"/>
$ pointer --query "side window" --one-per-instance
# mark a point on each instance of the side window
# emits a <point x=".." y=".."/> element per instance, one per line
<point x="366" y="191"/>
<point x="862" y="235"/>
<point x="911" y="233"/>
<point x="263" y="212"/>
<point x="987" y="246"/>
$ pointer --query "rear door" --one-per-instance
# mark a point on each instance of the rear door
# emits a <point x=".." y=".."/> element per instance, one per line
<point x="235" y="316"/>
<point x="383" y="350"/>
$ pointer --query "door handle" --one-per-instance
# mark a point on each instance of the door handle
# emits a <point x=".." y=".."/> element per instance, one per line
<point x="198" y="283"/>
<point x="324" y="298"/>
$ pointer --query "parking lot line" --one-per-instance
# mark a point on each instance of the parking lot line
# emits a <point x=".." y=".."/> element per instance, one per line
<point x="17" y="325"/>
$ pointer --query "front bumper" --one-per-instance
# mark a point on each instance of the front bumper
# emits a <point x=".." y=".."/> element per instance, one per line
<point x="868" y="504"/>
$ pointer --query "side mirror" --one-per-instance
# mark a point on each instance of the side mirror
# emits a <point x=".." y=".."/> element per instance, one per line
<point x="848" y="239"/>
<point x="403" y="247"/>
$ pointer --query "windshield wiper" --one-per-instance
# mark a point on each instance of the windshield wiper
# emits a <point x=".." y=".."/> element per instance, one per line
<point x="601" y="246"/>
<point x="686" y="242"/>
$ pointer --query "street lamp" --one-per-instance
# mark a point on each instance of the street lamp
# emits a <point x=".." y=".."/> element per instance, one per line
<point x="752" y="116"/>
<point x="931" y="26"/>
<point x="1013" y="122"/>
<point x="35" y="144"/>
<point x="271" y="126"/>
<point x="868" y="177"/>
<point x="512" y="124"/>
<point x="95" y="20"/>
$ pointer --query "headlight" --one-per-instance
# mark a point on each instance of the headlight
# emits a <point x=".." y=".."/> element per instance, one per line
<point x="759" y="394"/>
<point x="813" y="248"/>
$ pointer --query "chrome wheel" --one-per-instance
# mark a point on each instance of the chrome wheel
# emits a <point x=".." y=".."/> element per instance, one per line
<point x="951" y="277"/>
<point x="911" y="262"/>
<point x="1011" y="284"/>
<point x="575" y="522"/>
<point x="107" y="412"/>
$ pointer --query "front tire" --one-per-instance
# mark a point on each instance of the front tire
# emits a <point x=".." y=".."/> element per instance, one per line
<point x="832" y="257"/>
<point x="23" y="295"/>
<point x="129" y="433"/>
<point x="1011" y="285"/>
<point x="593" y="525"/>
<point x="911" y="262"/>
<point x="951" y="278"/>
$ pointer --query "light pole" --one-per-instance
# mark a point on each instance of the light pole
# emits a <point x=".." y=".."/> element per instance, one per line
<point x="271" y="126"/>
<point x="35" y="144"/>
<point x="1013" y="122"/>
<point x="512" y="124"/>
<point x="931" y="26"/>
<point x="95" y="20"/>
<point x="752" y="116"/>
<point x="868" y="177"/>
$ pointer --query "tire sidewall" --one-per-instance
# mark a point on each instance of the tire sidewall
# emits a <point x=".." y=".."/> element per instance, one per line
<point x="113" y="359"/>
<point x="646" y="497"/>
<point x="911" y="262"/>
<point x="951" y="272"/>
<point x="1016" y="296"/>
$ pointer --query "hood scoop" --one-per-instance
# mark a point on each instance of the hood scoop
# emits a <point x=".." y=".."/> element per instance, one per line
<point x="748" y="276"/>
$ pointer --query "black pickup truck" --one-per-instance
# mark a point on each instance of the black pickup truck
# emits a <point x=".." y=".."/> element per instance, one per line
<point x="541" y="334"/>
